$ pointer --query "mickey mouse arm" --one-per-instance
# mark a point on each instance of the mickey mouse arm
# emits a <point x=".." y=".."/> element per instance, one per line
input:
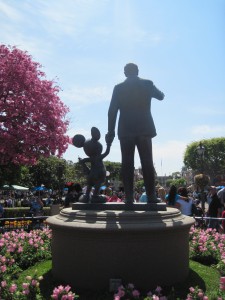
<point x="84" y="160"/>
<point x="83" y="163"/>
<point x="107" y="151"/>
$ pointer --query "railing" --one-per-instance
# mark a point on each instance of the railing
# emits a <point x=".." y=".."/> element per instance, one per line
<point x="203" y="221"/>
<point x="25" y="223"/>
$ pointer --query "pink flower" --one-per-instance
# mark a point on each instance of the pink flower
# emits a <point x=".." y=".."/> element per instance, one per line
<point x="13" y="288"/>
<point x="3" y="268"/>
<point x="191" y="289"/>
<point x="120" y="293"/>
<point x="158" y="289"/>
<point x="222" y="279"/>
<point x="3" y="284"/>
<point x="135" y="293"/>
<point x="116" y="297"/>
<point x="200" y="294"/>
<point x="25" y="285"/>
<point x="34" y="282"/>
<point x="67" y="288"/>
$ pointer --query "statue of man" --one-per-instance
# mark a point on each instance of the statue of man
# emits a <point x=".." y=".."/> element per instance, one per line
<point x="132" y="98"/>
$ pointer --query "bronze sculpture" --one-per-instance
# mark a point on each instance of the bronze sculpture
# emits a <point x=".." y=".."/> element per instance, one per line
<point x="96" y="174"/>
<point x="132" y="98"/>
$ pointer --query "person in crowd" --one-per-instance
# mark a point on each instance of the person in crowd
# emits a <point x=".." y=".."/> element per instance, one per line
<point x="25" y="202"/>
<point x="9" y="202"/>
<point x="221" y="195"/>
<point x="215" y="209"/>
<point x="74" y="194"/>
<point x="78" y="192"/>
<point x="48" y="201"/>
<point x="1" y="211"/>
<point x="36" y="207"/>
<point x="114" y="198"/>
<point x="185" y="202"/>
<point x="143" y="197"/>
<point x="162" y="194"/>
<point x="137" y="195"/>
<point x="172" y="197"/>
<point x="69" y="197"/>
<point x="223" y="221"/>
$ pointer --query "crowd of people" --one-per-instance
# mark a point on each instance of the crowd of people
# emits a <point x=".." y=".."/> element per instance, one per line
<point x="35" y="201"/>
<point x="189" y="202"/>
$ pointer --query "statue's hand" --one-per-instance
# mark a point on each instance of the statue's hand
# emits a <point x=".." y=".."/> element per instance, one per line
<point x="109" y="137"/>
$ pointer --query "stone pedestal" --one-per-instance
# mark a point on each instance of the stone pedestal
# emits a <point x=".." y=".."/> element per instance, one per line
<point x="146" y="248"/>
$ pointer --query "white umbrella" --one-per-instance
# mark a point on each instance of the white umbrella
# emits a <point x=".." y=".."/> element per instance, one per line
<point x="20" y="188"/>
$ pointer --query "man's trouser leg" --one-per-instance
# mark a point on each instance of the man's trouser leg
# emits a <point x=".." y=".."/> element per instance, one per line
<point x="144" y="145"/>
<point x="127" y="150"/>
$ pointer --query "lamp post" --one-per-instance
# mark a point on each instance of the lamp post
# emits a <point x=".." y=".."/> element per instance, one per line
<point x="60" y="171"/>
<point x="201" y="151"/>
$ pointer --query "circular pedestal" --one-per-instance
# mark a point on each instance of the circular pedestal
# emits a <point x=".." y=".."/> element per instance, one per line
<point x="89" y="248"/>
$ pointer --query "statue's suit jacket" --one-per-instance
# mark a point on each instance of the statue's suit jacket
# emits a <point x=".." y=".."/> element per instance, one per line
<point x="132" y="98"/>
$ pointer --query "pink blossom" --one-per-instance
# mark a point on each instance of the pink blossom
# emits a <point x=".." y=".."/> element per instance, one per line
<point x="200" y="294"/>
<point x="3" y="284"/>
<point x="13" y="288"/>
<point x="3" y="268"/>
<point x="28" y="105"/>
<point x="20" y="249"/>
<point x="121" y="293"/>
<point x="26" y="292"/>
<point x="34" y="282"/>
<point x="222" y="279"/>
<point x="191" y="289"/>
<point x="67" y="288"/>
<point x="135" y="293"/>
<point x="158" y="289"/>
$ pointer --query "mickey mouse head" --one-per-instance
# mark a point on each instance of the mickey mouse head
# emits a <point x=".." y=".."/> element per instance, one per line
<point x="91" y="146"/>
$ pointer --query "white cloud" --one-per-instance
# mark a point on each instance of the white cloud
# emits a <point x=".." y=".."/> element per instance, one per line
<point x="83" y="96"/>
<point x="206" y="130"/>
<point x="207" y="110"/>
<point x="71" y="132"/>
<point x="69" y="18"/>
<point x="9" y="11"/>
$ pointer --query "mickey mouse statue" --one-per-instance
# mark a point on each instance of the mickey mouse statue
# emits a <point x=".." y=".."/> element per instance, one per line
<point x="96" y="174"/>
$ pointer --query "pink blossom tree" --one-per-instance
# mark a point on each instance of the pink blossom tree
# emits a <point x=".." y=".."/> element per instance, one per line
<point x="32" y="117"/>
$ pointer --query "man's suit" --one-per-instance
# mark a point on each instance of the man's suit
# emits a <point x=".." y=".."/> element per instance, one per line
<point x="132" y="98"/>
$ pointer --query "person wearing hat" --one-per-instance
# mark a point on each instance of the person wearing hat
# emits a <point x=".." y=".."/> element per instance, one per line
<point x="132" y="98"/>
<point x="215" y="209"/>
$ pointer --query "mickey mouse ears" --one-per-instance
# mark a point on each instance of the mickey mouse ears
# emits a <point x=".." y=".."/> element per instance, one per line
<point x="95" y="133"/>
<point x="78" y="140"/>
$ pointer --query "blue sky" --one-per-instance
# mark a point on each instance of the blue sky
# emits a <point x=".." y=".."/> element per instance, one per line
<point x="178" y="44"/>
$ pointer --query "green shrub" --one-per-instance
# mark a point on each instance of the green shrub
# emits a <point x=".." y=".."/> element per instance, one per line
<point x="15" y="212"/>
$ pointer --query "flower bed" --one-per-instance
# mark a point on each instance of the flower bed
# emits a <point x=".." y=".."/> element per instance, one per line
<point x="20" y="250"/>
<point x="208" y="247"/>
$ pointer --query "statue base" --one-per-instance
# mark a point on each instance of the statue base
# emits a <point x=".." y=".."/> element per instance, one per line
<point x="118" y="206"/>
<point x="92" y="249"/>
